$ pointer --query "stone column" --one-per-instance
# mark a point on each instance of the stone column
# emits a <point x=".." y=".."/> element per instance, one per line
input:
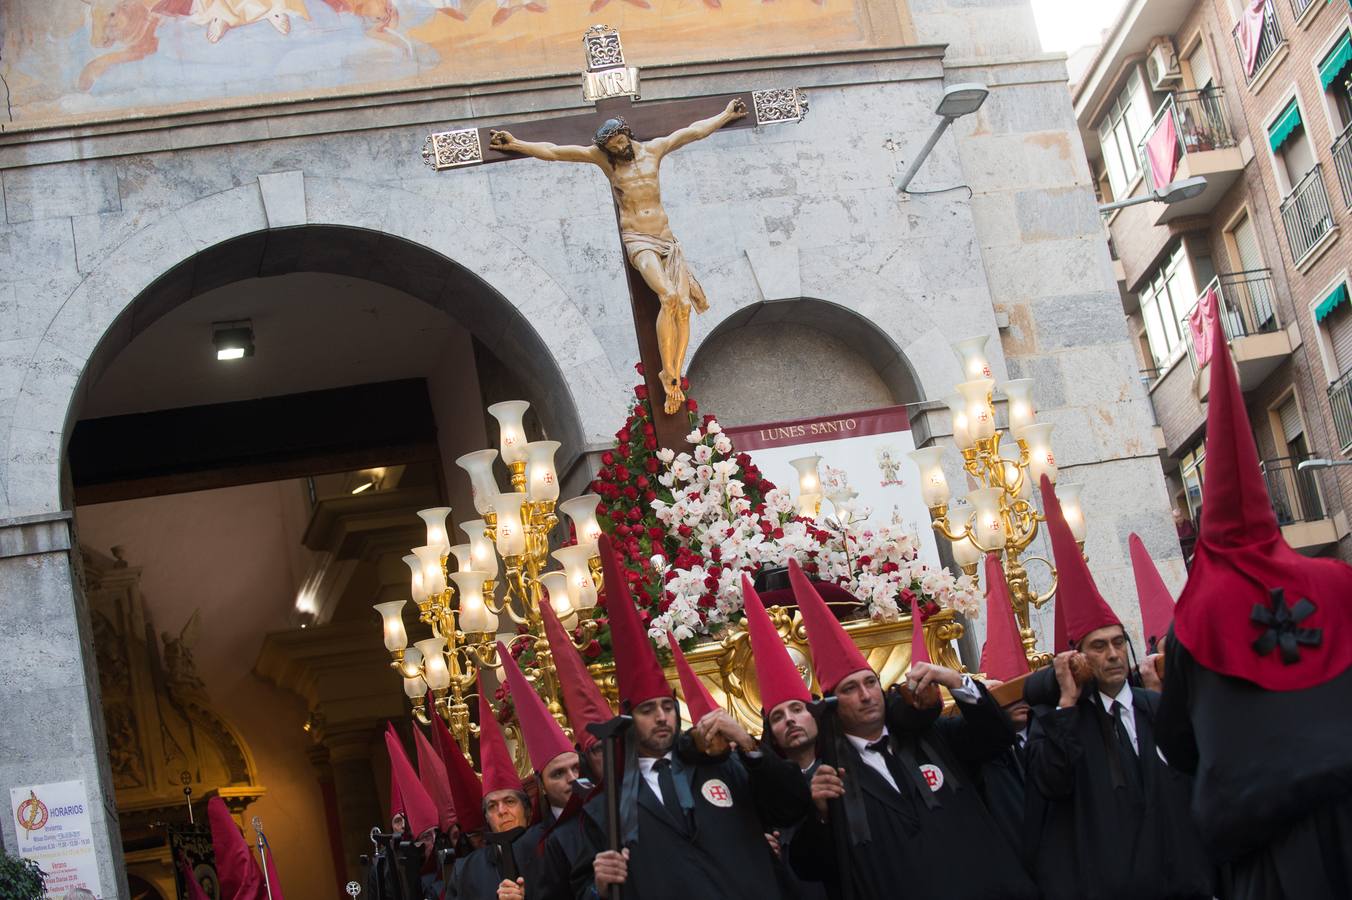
<point x="54" y="729"/>
<point x="354" y="785"/>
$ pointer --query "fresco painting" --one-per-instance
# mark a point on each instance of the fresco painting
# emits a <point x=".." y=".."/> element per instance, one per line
<point x="72" y="60"/>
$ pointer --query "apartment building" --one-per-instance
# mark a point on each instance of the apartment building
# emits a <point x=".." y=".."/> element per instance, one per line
<point x="1256" y="96"/>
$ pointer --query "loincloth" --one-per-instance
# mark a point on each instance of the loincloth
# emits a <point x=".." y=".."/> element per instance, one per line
<point x="674" y="266"/>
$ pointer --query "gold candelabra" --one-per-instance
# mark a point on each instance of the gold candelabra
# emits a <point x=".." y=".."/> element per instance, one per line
<point x="501" y="572"/>
<point x="1006" y="466"/>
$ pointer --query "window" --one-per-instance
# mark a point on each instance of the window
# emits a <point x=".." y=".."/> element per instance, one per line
<point x="1122" y="128"/>
<point x="1200" y="64"/>
<point x="1166" y="299"/>
<point x="1191" y="468"/>
<point x="1291" y="147"/>
<point x="1335" y="73"/>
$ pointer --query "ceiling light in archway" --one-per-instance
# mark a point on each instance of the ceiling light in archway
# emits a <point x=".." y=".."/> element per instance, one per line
<point x="233" y="340"/>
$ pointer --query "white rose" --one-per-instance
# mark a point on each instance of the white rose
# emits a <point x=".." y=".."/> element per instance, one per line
<point x="714" y="428"/>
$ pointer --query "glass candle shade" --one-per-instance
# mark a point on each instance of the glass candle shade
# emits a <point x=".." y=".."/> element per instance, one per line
<point x="482" y="552"/>
<point x="809" y="482"/>
<point x="988" y="531"/>
<point x="933" y="484"/>
<point x="957" y="410"/>
<point x="435" y="673"/>
<point x="474" y="614"/>
<point x="581" y="588"/>
<point x="976" y="402"/>
<point x="1019" y="393"/>
<point x="556" y="586"/>
<point x="582" y="511"/>
<point x="415" y="688"/>
<point x="482" y="484"/>
<point x="542" y="482"/>
<point x="464" y="557"/>
<point x="416" y="582"/>
<point x="392" y="620"/>
<point x="1068" y="495"/>
<point x="511" y="533"/>
<point x="965" y="553"/>
<point x="809" y="505"/>
<point x="437" y="538"/>
<point x="511" y="432"/>
<point x="411" y="665"/>
<point x="972" y="353"/>
<point x="434" y="577"/>
<point x="1041" y="460"/>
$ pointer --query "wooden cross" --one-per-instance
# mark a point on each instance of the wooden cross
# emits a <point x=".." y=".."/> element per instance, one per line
<point x="613" y="87"/>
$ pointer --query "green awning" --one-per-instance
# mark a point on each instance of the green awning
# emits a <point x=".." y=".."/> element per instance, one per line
<point x="1336" y="62"/>
<point x="1284" y="127"/>
<point x="1330" y="303"/>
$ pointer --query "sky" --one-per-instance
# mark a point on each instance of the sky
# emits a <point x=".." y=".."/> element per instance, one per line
<point x="1067" y="25"/>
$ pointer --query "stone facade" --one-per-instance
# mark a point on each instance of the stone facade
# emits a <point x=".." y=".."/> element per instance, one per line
<point x="525" y="256"/>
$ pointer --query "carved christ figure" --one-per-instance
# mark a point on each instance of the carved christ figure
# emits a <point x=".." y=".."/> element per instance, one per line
<point x="632" y="168"/>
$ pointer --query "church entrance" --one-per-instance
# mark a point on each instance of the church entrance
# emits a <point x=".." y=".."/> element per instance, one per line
<point x="249" y="448"/>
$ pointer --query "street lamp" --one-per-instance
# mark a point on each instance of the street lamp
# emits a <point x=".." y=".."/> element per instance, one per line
<point x="1174" y="192"/>
<point x="1317" y="463"/>
<point x="959" y="100"/>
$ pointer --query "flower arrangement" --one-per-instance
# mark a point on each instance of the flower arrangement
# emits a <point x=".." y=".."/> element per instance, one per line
<point x="687" y="525"/>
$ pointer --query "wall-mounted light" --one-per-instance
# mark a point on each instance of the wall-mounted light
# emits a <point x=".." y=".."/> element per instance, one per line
<point x="233" y="340"/>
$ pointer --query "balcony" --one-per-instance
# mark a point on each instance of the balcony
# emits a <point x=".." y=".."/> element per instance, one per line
<point x="1342" y="161"/>
<point x="1306" y="215"/>
<point x="1340" y="401"/>
<point x="1204" y="145"/>
<point x="1270" y="40"/>
<point x="1299" y="8"/>
<point x="1305" y="522"/>
<point x="1258" y="341"/>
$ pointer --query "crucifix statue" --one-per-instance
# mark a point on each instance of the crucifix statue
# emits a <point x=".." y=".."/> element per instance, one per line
<point x="627" y="143"/>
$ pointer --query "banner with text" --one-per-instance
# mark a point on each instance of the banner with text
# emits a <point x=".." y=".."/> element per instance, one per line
<point x="53" y="830"/>
<point x="863" y="452"/>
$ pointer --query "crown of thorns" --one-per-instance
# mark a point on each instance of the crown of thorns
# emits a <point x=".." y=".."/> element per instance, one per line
<point x="611" y="127"/>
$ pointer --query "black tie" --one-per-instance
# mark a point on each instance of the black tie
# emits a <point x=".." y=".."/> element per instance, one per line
<point x="1120" y="727"/>
<point x="667" y="782"/>
<point x="884" y="746"/>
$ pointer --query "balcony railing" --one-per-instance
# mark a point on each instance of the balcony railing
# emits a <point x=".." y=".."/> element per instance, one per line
<point x="1306" y="214"/>
<point x="1268" y="42"/>
<point x="1247" y="305"/>
<point x="1199" y="121"/>
<point x="1298" y="8"/>
<point x="1294" y="494"/>
<point x="1342" y="161"/>
<point x="1340" y="401"/>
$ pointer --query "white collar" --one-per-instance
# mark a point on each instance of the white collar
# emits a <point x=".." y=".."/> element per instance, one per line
<point x="1123" y="696"/>
<point x="646" y="763"/>
<point x="557" y="811"/>
<point x="861" y="744"/>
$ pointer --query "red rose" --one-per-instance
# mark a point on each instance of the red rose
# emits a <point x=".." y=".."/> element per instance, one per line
<point x="691" y="405"/>
<point x="638" y="367"/>
<point x="890" y="567"/>
<point x="650" y="496"/>
<point x="650" y="443"/>
<point x="624" y="436"/>
<point x="641" y="392"/>
<point x="706" y="602"/>
<point x="651" y="465"/>
<point x="606" y="475"/>
<point x="684" y="530"/>
<point x="621" y="473"/>
<point x="715" y="553"/>
<point x="624" y="450"/>
<point x="656" y="533"/>
<point x="608" y="458"/>
<point x="621" y="530"/>
<point x="685" y="383"/>
<point x="635" y="514"/>
<point x="777" y="534"/>
<point x="907" y="597"/>
<point x="648" y="428"/>
<point x="641" y="482"/>
<point x="865" y="560"/>
<point x="630" y="492"/>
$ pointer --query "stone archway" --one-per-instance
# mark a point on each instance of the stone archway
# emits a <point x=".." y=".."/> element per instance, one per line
<point x="493" y="287"/>
<point x="807" y="357"/>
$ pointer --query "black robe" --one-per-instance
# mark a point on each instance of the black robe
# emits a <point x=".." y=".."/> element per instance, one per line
<point x="725" y="855"/>
<point x="1109" y="824"/>
<point x="1003" y="787"/>
<point x="1273" y="792"/>
<point x="477" y="876"/>
<point x="950" y="849"/>
<point x="790" y="884"/>
<point x="568" y="853"/>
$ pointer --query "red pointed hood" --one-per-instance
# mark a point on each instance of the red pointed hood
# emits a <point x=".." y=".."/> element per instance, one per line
<point x="544" y="738"/>
<point x="582" y="699"/>
<point x="919" y="651"/>
<point x="236" y="867"/>
<point x="776" y="674"/>
<point x="432" y="774"/>
<point x="697" y="697"/>
<point x="494" y="757"/>
<point x="834" y="654"/>
<point x="1077" y="597"/>
<point x="466" y="789"/>
<point x="1002" y="656"/>
<point x="418" y="807"/>
<point x="637" y="672"/>
<point x="1227" y="615"/>
<point x="1157" y="604"/>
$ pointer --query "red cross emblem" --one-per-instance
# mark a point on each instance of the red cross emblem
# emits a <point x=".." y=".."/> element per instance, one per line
<point x="717" y="793"/>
